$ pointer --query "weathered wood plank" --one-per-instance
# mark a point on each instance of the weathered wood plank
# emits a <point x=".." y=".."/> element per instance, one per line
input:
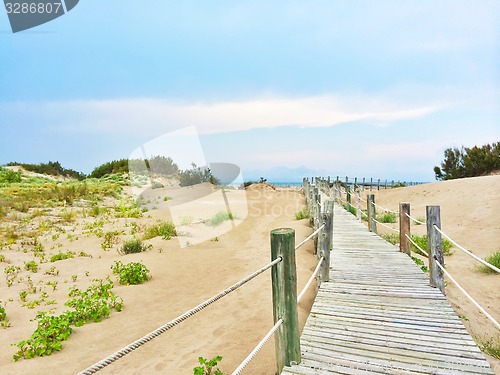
<point x="378" y="314"/>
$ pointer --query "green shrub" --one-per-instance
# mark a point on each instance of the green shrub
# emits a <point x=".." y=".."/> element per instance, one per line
<point x="133" y="245"/>
<point x="9" y="177"/>
<point x="302" y="214"/>
<point x="420" y="262"/>
<point x="133" y="273"/>
<point x="493" y="259"/>
<point x="219" y="218"/>
<point x="31" y="266"/>
<point x="93" y="304"/>
<point x="62" y="256"/>
<point x="392" y="238"/>
<point x="422" y="242"/>
<point x="388" y="217"/>
<point x="47" y="338"/>
<point x="165" y="230"/>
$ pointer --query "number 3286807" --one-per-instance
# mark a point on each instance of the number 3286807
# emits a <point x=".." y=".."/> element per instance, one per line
<point x="32" y="8"/>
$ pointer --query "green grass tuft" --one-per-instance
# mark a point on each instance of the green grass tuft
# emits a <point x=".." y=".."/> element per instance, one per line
<point x="134" y="245"/>
<point x="302" y="214"/>
<point x="388" y="217"/>
<point x="422" y="242"/>
<point x="493" y="259"/>
<point x="165" y="230"/>
<point x="219" y="218"/>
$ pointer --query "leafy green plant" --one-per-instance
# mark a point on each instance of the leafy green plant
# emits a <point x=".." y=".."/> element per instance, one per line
<point x="302" y="214"/>
<point x="31" y="266"/>
<point x="4" y="322"/>
<point x="207" y="366"/>
<point x="52" y="271"/>
<point x="22" y="295"/>
<point x="392" y="238"/>
<point x="93" y="304"/>
<point x="47" y="338"/>
<point x="420" y="262"/>
<point x="219" y="218"/>
<point x="421" y="241"/>
<point x="110" y="239"/>
<point x="133" y="245"/>
<point x="165" y="230"/>
<point x="11" y="274"/>
<point x="388" y="217"/>
<point x="130" y="210"/>
<point x="133" y="273"/>
<point x="62" y="256"/>
<point x="493" y="259"/>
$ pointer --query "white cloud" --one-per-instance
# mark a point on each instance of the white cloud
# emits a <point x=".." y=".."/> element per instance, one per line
<point x="153" y="116"/>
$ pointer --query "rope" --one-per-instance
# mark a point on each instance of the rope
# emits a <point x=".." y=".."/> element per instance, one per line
<point x="385" y="209"/>
<point x="495" y="323"/>
<point x="311" y="279"/>
<point x="136" y="344"/>
<point x="415" y="220"/>
<point x="418" y="247"/>
<point x="468" y="252"/>
<point x="258" y="348"/>
<point x="310" y="236"/>
<point x="384" y="225"/>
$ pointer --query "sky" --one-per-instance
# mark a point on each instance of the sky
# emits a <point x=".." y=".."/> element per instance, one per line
<point x="282" y="89"/>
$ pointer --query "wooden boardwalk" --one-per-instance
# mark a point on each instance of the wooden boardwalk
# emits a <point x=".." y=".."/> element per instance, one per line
<point x="379" y="315"/>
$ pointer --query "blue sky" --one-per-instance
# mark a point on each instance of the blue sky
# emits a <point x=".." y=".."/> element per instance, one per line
<point x="284" y="89"/>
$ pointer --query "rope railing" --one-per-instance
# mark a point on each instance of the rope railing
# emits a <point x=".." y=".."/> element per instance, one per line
<point x="385" y="225"/>
<point x="495" y="323"/>
<point x="416" y="220"/>
<point x="310" y="237"/>
<point x="417" y="246"/>
<point x="385" y="209"/>
<point x="311" y="279"/>
<point x="157" y="332"/>
<point x="467" y="251"/>
<point x="256" y="350"/>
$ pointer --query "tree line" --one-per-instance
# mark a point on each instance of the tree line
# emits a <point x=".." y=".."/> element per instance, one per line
<point x="469" y="162"/>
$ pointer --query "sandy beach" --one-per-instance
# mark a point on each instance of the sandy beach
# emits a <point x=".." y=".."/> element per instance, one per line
<point x="203" y="260"/>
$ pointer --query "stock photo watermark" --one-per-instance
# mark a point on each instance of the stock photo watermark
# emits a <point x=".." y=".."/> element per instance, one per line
<point x="26" y="14"/>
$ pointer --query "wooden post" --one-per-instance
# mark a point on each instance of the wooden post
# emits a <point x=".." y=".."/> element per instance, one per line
<point x="378" y="184"/>
<point x="284" y="285"/>
<point x="358" y="205"/>
<point x="435" y="247"/>
<point x="372" y="225"/>
<point x="385" y="184"/>
<point x="363" y="184"/>
<point x="371" y="183"/>
<point x="326" y="241"/>
<point x="348" y="197"/>
<point x="404" y="228"/>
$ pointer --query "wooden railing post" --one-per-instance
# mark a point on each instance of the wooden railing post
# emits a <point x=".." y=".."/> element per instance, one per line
<point x="404" y="228"/>
<point x="372" y="225"/>
<point x="348" y="197"/>
<point x="326" y="242"/>
<point x="358" y="205"/>
<point x="435" y="247"/>
<point x="284" y="285"/>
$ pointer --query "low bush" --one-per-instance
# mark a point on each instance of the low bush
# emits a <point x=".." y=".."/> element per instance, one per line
<point x="302" y="214"/>
<point x="165" y="230"/>
<point x="133" y="273"/>
<point x="493" y="259"/>
<point x="421" y="241"/>
<point x="62" y="256"/>
<point x="388" y="217"/>
<point x="134" y="245"/>
<point x="31" y="266"/>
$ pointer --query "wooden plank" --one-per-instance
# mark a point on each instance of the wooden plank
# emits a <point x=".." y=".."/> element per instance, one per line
<point x="378" y="314"/>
